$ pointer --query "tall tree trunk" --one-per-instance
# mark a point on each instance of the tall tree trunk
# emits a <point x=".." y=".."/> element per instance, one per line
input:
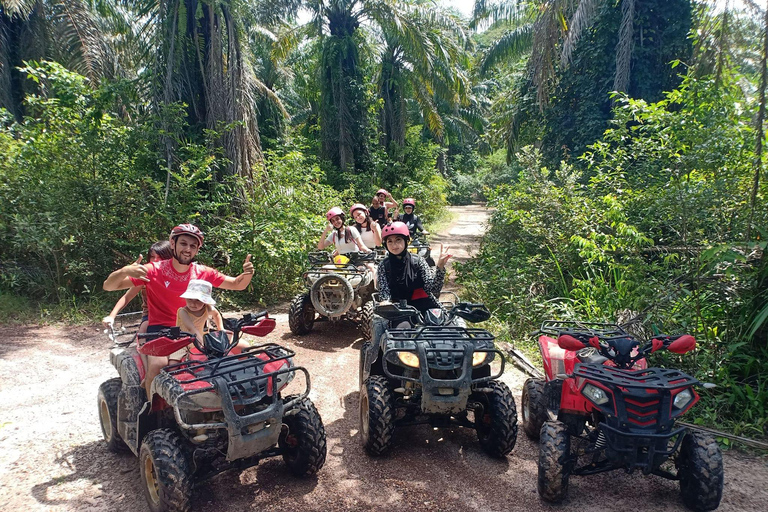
<point x="625" y="46"/>
<point x="168" y="97"/>
<point x="757" y="163"/>
<point x="343" y="117"/>
<point x="392" y="116"/>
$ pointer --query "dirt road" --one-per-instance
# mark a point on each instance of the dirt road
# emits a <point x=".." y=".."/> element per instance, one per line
<point x="52" y="457"/>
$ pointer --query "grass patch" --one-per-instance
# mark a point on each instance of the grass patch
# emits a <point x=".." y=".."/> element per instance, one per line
<point x="18" y="310"/>
<point x="15" y="310"/>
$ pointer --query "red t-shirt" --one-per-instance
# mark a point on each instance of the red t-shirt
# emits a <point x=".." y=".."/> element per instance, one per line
<point x="166" y="285"/>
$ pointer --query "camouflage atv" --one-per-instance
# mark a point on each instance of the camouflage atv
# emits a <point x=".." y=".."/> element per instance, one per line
<point x="335" y="291"/>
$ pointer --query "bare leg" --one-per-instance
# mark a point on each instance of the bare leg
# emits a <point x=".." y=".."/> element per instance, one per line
<point x="154" y="365"/>
<point x="238" y="349"/>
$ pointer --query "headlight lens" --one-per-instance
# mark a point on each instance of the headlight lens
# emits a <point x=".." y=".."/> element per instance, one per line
<point x="408" y="359"/>
<point x="479" y="358"/>
<point x="683" y="398"/>
<point x="595" y="394"/>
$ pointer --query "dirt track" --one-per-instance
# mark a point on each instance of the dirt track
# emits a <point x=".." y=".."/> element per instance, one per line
<point x="52" y="456"/>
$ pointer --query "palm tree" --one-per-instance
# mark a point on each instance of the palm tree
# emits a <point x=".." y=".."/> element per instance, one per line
<point x="432" y="72"/>
<point x="70" y="32"/>
<point x="343" y="113"/>
<point x="198" y="55"/>
<point x="551" y="31"/>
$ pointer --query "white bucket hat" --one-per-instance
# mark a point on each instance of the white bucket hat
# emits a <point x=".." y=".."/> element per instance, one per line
<point x="200" y="290"/>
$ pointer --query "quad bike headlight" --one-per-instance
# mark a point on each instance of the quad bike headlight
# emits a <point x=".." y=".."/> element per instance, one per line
<point x="408" y="359"/>
<point x="595" y="394"/>
<point x="682" y="399"/>
<point x="479" y="358"/>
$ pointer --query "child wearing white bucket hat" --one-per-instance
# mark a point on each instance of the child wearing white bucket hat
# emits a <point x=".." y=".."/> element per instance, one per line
<point x="192" y="318"/>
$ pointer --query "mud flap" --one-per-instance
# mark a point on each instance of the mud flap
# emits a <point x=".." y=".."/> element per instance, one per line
<point x="130" y="401"/>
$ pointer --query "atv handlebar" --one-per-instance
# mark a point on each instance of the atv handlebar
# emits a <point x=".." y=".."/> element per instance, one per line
<point x="469" y="311"/>
<point x="619" y="348"/>
<point x="173" y="333"/>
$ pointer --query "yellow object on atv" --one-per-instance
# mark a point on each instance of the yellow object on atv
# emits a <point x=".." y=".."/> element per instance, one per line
<point x="340" y="260"/>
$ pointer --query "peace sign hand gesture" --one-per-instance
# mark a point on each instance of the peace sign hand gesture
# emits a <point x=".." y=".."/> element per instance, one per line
<point x="445" y="255"/>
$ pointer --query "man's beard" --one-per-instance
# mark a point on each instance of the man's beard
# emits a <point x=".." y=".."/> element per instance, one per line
<point x="179" y="258"/>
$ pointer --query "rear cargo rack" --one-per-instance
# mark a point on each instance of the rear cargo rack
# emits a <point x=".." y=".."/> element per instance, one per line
<point x="599" y="329"/>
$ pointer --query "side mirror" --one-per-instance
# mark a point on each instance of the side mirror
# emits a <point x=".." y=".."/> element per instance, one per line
<point x="568" y="342"/>
<point x="683" y="344"/>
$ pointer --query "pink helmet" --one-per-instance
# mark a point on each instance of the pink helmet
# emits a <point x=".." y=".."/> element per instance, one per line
<point x="187" y="229"/>
<point x="408" y="201"/>
<point x="334" y="212"/>
<point x="382" y="191"/>
<point x="357" y="206"/>
<point x="396" y="228"/>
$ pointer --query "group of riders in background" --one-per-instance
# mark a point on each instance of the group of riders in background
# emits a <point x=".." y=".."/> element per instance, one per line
<point x="176" y="291"/>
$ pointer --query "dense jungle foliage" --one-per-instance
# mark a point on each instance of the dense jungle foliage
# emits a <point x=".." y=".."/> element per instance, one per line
<point x="620" y="144"/>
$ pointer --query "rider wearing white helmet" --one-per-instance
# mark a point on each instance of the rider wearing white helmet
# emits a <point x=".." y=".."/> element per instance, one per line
<point x="346" y="238"/>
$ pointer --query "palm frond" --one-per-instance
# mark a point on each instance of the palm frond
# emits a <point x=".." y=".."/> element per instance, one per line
<point x="625" y="46"/>
<point x="512" y="44"/>
<point x="486" y="13"/>
<point x="582" y="19"/>
<point x="20" y="8"/>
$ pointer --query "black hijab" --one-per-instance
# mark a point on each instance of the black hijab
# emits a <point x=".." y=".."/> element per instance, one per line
<point x="402" y="274"/>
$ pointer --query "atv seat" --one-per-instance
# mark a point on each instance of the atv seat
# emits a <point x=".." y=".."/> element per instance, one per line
<point x="590" y="355"/>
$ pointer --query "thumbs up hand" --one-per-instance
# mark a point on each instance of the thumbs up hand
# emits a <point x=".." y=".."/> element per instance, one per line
<point x="247" y="265"/>
<point x="136" y="270"/>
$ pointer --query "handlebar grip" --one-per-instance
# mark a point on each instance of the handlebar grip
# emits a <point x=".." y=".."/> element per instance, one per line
<point x="172" y="332"/>
<point x="260" y="314"/>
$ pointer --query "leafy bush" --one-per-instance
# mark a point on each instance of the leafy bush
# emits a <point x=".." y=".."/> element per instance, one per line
<point x="655" y="224"/>
<point x="83" y="192"/>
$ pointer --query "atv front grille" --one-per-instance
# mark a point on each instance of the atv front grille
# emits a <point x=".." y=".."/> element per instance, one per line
<point x="642" y="398"/>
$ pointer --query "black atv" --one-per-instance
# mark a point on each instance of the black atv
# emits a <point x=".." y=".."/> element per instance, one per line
<point x="210" y="413"/>
<point x="434" y="370"/>
<point x="335" y="291"/>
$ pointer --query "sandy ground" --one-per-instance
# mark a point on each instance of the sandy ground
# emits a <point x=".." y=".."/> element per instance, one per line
<point x="52" y="457"/>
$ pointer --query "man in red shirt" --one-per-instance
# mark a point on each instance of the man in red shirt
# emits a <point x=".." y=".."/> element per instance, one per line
<point x="166" y="280"/>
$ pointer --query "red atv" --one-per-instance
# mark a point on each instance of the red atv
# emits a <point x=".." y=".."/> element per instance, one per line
<point x="601" y="408"/>
<point x="210" y="413"/>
